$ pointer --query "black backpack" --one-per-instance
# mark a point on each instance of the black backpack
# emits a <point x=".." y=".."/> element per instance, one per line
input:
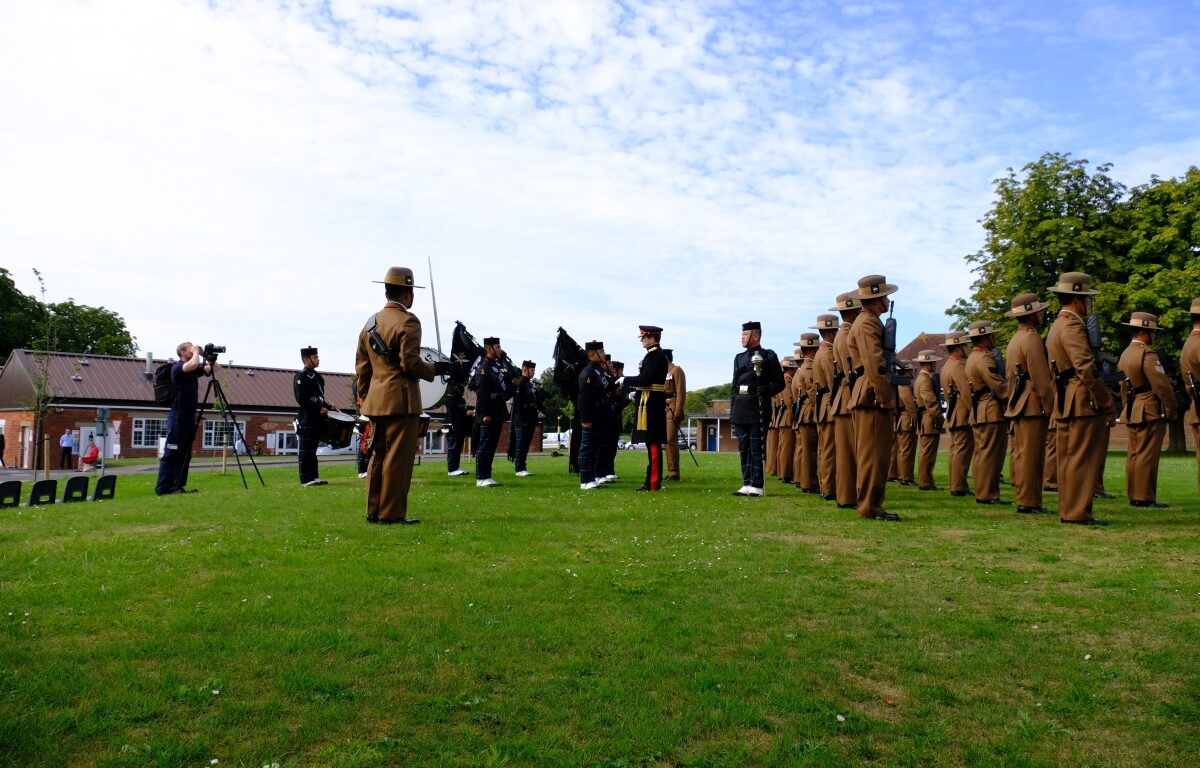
<point x="165" y="390"/>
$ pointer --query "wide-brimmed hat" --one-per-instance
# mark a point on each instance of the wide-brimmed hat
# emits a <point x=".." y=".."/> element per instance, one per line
<point x="1195" y="306"/>
<point x="955" y="339"/>
<point x="874" y="287"/>
<point x="788" y="362"/>
<point x="1075" y="284"/>
<point x="826" y="323"/>
<point x="1026" y="304"/>
<point x="809" y="341"/>
<point x="846" y="302"/>
<point x="1143" y="321"/>
<point x="926" y="356"/>
<point x="980" y="328"/>
<point x="398" y="276"/>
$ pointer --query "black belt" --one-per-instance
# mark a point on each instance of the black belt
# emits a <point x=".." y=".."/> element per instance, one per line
<point x="1065" y="374"/>
<point x="1140" y="390"/>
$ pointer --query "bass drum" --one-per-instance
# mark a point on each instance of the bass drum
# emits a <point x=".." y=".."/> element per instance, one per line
<point x="433" y="392"/>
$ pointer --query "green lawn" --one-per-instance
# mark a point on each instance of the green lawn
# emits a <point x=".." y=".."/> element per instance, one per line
<point x="533" y="624"/>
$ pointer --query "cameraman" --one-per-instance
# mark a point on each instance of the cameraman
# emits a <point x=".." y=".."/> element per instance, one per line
<point x="309" y="390"/>
<point x="181" y="421"/>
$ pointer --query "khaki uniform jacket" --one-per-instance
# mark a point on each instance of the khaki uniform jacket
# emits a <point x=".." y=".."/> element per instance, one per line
<point x="843" y="360"/>
<point x="804" y="383"/>
<point x="1067" y="347"/>
<point x="1142" y="368"/>
<point x="1026" y="349"/>
<point x="988" y="385"/>
<point x="785" y="400"/>
<point x="930" y="420"/>
<point x="387" y="388"/>
<point x="823" y="380"/>
<point x="676" y="393"/>
<point x="906" y="414"/>
<point x="955" y="375"/>
<point x="1189" y="362"/>
<point x="872" y="389"/>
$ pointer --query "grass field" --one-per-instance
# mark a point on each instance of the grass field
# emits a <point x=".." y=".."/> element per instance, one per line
<point x="533" y="624"/>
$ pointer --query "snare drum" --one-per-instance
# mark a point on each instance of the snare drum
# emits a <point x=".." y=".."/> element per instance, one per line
<point x="338" y="429"/>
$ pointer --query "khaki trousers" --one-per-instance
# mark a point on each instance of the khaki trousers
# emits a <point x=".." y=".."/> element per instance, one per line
<point x="1196" y="444"/>
<point x="672" y="447"/>
<point x="873" y="435"/>
<point x="962" y="445"/>
<point x="389" y="473"/>
<point x="906" y="455"/>
<point x="1101" y="448"/>
<point x="1029" y="459"/>
<point x="1141" y="465"/>
<point x="806" y="457"/>
<point x="772" y="450"/>
<point x="843" y="446"/>
<point x="787" y="453"/>
<point x="929" y="448"/>
<point x="1078" y="465"/>
<point x="827" y="459"/>
<point x="1051" y="476"/>
<point x="990" y="441"/>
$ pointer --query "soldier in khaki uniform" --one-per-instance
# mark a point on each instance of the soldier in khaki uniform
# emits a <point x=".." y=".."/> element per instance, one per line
<point x="844" y="363"/>
<point x="772" y="456"/>
<point x="785" y="459"/>
<point x="1189" y="371"/>
<point x="676" y="412"/>
<point x="904" y="447"/>
<point x="1082" y="401"/>
<point x="824" y="374"/>
<point x="1030" y="401"/>
<point x="804" y="471"/>
<point x="1149" y="407"/>
<point x="958" y="412"/>
<point x="988" y="394"/>
<point x="929" y="418"/>
<point x="872" y="400"/>
<point x="1050" y="478"/>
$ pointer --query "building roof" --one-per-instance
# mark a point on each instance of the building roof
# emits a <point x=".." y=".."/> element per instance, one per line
<point x="109" y="379"/>
<point x="924" y="341"/>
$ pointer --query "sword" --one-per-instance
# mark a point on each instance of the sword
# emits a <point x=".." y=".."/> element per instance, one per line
<point x="437" y="330"/>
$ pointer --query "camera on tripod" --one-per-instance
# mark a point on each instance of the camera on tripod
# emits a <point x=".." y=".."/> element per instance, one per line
<point x="210" y="352"/>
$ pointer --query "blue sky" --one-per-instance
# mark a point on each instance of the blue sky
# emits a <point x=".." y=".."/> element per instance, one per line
<point x="239" y="172"/>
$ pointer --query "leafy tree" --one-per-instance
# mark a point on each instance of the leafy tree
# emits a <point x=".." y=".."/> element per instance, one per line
<point x="19" y="316"/>
<point x="90" y="330"/>
<point x="559" y="409"/>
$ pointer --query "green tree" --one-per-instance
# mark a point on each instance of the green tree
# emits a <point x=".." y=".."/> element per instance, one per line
<point x="559" y="409"/>
<point x="19" y="316"/>
<point x="90" y="330"/>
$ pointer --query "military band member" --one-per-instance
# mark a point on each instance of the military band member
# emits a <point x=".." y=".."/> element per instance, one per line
<point x="460" y="418"/>
<point x="1189" y="371"/>
<point x="989" y="393"/>
<point x="619" y="399"/>
<point x="1082" y="401"/>
<point x="596" y="388"/>
<point x="650" y="421"/>
<point x="929" y="418"/>
<point x="1030" y="401"/>
<point x="492" y="392"/>
<point x="528" y="401"/>
<point x="309" y="390"/>
<point x="958" y="413"/>
<point x="676" y="412"/>
<point x="824" y="378"/>
<point x="873" y="399"/>
<point x="1149" y="408"/>
<point x="849" y="306"/>
<point x="904" y="446"/>
<point x="754" y="384"/>
<point x="804" y="470"/>
<point x="786" y="445"/>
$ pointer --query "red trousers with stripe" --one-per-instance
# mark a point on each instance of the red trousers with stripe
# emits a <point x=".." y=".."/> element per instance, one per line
<point x="654" y="466"/>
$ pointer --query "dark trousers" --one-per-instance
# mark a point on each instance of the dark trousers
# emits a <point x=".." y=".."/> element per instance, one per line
<point x="751" y="447"/>
<point x="524" y="437"/>
<point x="64" y="461"/>
<point x="173" y="467"/>
<point x="589" y="448"/>
<point x="489" y="435"/>
<point x="454" y="445"/>
<point x="654" y="466"/>
<point x="307" y="439"/>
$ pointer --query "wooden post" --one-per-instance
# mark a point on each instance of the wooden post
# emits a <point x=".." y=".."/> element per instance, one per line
<point x="46" y="457"/>
<point x="224" y="458"/>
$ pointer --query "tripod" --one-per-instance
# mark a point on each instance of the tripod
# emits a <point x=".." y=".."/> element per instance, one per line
<point x="229" y="418"/>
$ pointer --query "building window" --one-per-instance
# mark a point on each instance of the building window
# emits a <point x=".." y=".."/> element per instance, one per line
<point x="147" y="431"/>
<point x="221" y="433"/>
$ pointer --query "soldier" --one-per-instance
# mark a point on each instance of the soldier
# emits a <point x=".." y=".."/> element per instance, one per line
<point x="1189" y="371"/>
<point x="676" y="412"/>
<point x="528" y="401"/>
<point x="650" y="384"/>
<point x="619" y="399"/>
<point x="804" y="469"/>
<point x="988" y="394"/>
<point x="757" y="377"/>
<point x="929" y="418"/>
<point x="1149" y="407"/>
<point x="492" y="391"/>
<point x="460" y="416"/>
<point x="904" y="447"/>
<point x="786" y="446"/>
<point x="873" y="398"/>
<point x="958" y="413"/>
<point x="1030" y="401"/>
<point x="772" y="449"/>
<point x="309" y="390"/>
<point x="1050" y="481"/>
<point x="824" y="379"/>
<point x="849" y="305"/>
<point x="595" y="390"/>
<point x="1082" y="401"/>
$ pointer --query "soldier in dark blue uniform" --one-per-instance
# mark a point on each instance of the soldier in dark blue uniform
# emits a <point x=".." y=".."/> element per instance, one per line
<point x="594" y="410"/>
<point x="460" y="416"/>
<point x="309" y="390"/>
<point x="606" y="464"/>
<point x="491" y="409"/>
<point x="650" y="421"/>
<point x="750" y="409"/>
<point x="528" y="401"/>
